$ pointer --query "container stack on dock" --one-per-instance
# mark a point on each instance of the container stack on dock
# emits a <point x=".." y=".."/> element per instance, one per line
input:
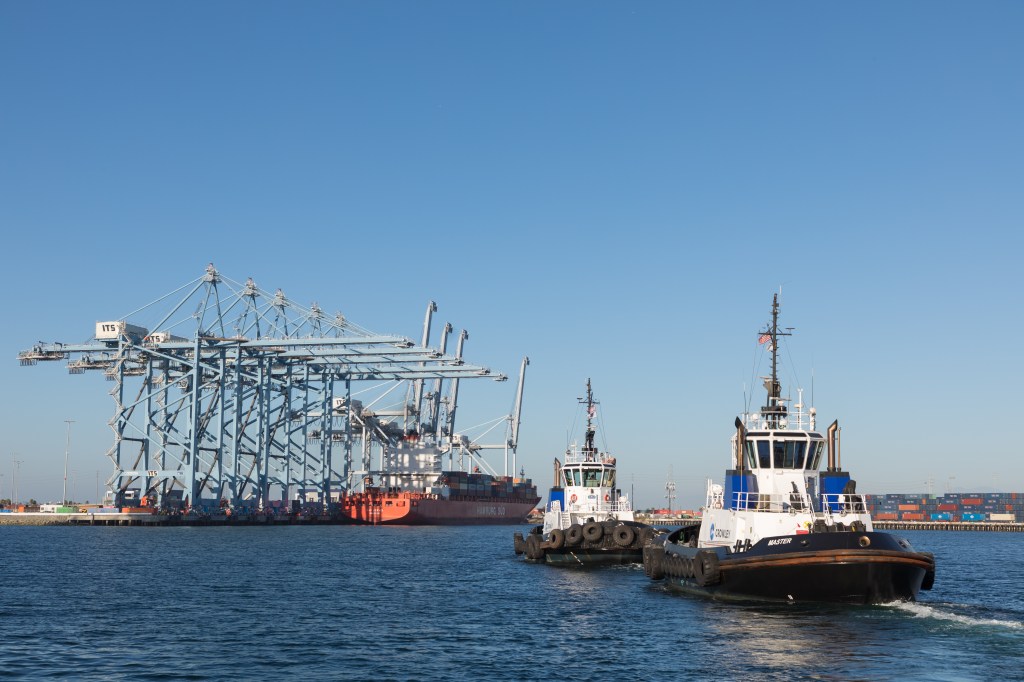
<point x="952" y="507"/>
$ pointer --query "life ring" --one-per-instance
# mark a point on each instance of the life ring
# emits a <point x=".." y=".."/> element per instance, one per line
<point x="572" y="499"/>
<point x="607" y="497"/>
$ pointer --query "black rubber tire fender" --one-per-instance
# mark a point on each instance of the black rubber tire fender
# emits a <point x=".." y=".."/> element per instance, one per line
<point x="533" y="548"/>
<point x="654" y="556"/>
<point x="592" y="531"/>
<point x="624" y="535"/>
<point x="705" y="568"/>
<point x="556" y="538"/>
<point x="574" y="535"/>
<point x="929" y="576"/>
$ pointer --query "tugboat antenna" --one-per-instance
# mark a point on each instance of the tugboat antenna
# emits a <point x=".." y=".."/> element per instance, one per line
<point x="588" y="445"/>
<point x="774" y="411"/>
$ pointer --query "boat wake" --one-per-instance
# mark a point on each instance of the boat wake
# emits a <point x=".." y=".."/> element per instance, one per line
<point x="926" y="611"/>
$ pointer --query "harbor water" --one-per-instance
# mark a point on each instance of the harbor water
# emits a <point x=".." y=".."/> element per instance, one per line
<point x="454" y="603"/>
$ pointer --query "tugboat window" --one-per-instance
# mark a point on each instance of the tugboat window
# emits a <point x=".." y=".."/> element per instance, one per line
<point x="814" y="456"/>
<point x="764" y="454"/>
<point x="609" y="479"/>
<point x="751" y="458"/>
<point x="591" y="478"/>
<point x="789" y="454"/>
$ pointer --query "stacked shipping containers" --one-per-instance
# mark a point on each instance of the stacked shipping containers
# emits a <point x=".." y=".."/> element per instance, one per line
<point x="1006" y="507"/>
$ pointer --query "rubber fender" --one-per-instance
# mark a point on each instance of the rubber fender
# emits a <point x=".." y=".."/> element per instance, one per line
<point x="533" y="548"/>
<point x="574" y="535"/>
<point x="556" y="538"/>
<point x="706" y="569"/>
<point x="654" y="556"/>
<point x="624" y="535"/>
<point x="592" y="531"/>
<point x="929" y="576"/>
<point x="518" y="544"/>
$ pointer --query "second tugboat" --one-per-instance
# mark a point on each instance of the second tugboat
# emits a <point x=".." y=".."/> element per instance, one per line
<point x="587" y="519"/>
<point x="781" y="530"/>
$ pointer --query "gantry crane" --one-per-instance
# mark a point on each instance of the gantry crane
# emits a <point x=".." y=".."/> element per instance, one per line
<point x="246" y="399"/>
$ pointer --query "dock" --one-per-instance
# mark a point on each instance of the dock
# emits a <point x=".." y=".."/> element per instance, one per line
<point x="149" y="519"/>
<point x="994" y="526"/>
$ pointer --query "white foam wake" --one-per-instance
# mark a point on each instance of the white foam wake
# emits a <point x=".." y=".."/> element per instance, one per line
<point x="925" y="611"/>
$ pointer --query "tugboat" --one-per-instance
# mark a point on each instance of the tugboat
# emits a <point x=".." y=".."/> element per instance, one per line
<point x="780" y="529"/>
<point x="587" y="519"/>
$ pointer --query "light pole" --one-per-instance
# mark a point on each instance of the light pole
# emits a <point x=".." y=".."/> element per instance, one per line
<point x="14" y="483"/>
<point x="67" y="449"/>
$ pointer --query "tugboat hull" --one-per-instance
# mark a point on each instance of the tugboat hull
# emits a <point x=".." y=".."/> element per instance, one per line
<point x="612" y="545"/>
<point x="877" y="568"/>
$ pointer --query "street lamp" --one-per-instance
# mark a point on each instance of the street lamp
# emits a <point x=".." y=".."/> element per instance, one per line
<point x="14" y="482"/>
<point x="67" y="448"/>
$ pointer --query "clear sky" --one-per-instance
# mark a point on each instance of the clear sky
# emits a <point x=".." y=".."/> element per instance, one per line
<point x="614" y="189"/>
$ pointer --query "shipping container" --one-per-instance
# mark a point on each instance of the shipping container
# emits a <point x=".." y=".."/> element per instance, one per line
<point x="972" y="500"/>
<point x="947" y="507"/>
<point x="909" y="507"/>
<point x="1002" y="517"/>
<point x="913" y="516"/>
<point x="942" y="516"/>
<point x="888" y="516"/>
<point x="973" y="516"/>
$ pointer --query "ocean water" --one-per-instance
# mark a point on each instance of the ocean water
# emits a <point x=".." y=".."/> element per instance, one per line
<point x="365" y="603"/>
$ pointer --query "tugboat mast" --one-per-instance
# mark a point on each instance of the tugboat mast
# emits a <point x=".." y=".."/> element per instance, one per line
<point x="774" y="411"/>
<point x="588" y="446"/>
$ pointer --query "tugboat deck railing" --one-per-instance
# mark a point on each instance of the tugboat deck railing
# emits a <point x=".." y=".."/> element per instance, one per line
<point x="785" y="503"/>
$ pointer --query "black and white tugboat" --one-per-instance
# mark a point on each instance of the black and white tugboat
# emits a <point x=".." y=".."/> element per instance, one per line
<point x="587" y="519"/>
<point x="780" y="529"/>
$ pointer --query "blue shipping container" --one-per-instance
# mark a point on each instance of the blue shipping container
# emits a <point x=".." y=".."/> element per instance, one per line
<point x="973" y="516"/>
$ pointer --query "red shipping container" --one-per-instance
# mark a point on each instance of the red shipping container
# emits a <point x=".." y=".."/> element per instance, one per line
<point x="972" y="500"/>
<point x="909" y="507"/>
<point x="947" y="507"/>
<point x="912" y="516"/>
<point x="886" y="517"/>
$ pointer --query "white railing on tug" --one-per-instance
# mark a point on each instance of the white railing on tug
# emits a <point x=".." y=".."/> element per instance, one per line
<point x="829" y="504"/>
<point x="798" y="419"/>
<point x="576" y="455"/>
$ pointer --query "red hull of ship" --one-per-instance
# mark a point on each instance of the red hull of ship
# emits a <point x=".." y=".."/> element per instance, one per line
<point x="415" y="509"/>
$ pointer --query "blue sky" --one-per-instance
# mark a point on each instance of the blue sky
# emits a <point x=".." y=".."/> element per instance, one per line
<point x="614" y="189"/>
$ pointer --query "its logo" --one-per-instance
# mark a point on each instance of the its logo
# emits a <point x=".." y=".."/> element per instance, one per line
<point x="711" y="532"/>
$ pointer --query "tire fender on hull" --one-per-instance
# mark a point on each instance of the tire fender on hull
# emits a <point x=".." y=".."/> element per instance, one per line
<point x="574" y="535"/>
<point x="624" y="535"/>
<point x="706" y="569"/>
<point x="556" y="538"/>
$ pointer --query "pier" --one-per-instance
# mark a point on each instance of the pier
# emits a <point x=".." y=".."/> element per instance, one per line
<point x="998" y="526"/>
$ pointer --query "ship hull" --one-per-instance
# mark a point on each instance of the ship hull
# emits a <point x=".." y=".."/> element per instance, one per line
<point x="409" y="509"/>
<point x="609" y="543"/>
<point x="854" y="568"/>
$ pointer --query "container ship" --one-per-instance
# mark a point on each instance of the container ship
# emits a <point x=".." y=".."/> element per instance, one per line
<point x="431" y="475"/>
<point x="456" y="498"/>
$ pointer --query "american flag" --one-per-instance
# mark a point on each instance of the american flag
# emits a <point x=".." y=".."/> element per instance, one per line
<point x="764" y="338"/>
